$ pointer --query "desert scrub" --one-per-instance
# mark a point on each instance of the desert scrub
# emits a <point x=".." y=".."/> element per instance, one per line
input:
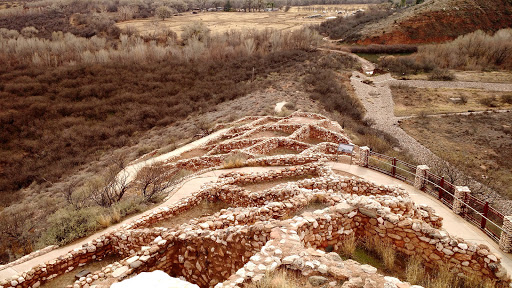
<point x="68" y="224"/>
<point x="278" y="279"/>
<point x="415" y="271"/>
<point x="507" y="99"/>
<point x="348" y="246"/>
<point x="489" y="101"/>
<point x="441" y="75"/>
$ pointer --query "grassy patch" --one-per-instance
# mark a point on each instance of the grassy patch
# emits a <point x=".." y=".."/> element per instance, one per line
<point x="479" y="145"/>
<point x="417" y="101"/>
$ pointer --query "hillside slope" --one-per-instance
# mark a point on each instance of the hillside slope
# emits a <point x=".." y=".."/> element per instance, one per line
<point x="439" y="21"/>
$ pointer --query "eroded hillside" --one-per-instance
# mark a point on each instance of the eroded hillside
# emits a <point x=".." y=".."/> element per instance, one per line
<point x="439" y="21"/>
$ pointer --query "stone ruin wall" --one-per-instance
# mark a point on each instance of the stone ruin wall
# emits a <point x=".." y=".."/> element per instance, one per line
<point x="376" y="211"/>
<point x="320" y="230"/>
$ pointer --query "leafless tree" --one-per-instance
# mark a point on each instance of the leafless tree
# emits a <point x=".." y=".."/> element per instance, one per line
<point x="126" y="12"/>
<point x="109" y="189"/>
<point x="75" y="195"/>
<point x="152" y="181"/>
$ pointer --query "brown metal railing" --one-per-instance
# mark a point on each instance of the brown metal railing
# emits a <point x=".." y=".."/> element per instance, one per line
<point x="475" y="211"/>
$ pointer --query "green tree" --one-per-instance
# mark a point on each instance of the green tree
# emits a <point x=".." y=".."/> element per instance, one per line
<point x="227" y="6"/>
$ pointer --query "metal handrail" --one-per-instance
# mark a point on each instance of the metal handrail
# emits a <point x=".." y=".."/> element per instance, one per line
<point x="454" y="198"/>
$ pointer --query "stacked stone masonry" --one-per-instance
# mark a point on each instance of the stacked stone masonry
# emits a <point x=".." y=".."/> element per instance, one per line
<point x="266" y="230"/>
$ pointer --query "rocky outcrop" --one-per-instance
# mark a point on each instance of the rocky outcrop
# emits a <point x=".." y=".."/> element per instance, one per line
<point x="439" y="21"/>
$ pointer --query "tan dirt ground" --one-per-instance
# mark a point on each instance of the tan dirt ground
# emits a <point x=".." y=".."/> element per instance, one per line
<point x="469" y="76"/>
<point x="479" y="144"/>
<point x="221" y="22"/>
<point x="416" y="101"/>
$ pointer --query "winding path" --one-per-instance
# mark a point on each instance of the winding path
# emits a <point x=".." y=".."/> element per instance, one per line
<point x="452" y="223"/>
<point x="375" y="94"/>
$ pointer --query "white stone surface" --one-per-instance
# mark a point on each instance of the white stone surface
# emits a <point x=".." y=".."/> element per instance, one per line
<point x="155" y="279"/>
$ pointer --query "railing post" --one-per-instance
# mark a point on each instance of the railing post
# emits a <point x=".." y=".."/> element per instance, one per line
<point x="440" y="188"/>
<point x="461" y="193"/>
<point x="486" y="210"/>
<point x="363" y="158"/>
<point x="421" y="176"/>
<point x="393" y="167"/>
<point x="506" y="236"/>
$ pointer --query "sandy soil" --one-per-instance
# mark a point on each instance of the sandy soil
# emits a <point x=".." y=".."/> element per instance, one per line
<point x="221" y="22"/>
<point x="417" y="101"/>
<point x="479" y="144"/>
<point x="470" y="76"/>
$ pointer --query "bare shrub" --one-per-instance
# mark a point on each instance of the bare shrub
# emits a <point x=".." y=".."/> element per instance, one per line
<point x="507" y="98"/>
<point x="163" y="12"/>
<point x="348" y="28"/>
<point x="385" y="49"/>
<point x="441" y="75"/>
<point x="126" y="12"/>
<point x="152" y="181"/>
<point x="196" y="30"/>
<point x="406" y="64"/>
<point x="109" y="189"/>
<point x="490" y="101"/>
<point x="476" y="50"/>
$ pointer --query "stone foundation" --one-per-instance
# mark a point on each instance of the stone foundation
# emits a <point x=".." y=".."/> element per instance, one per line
<point x="261" y="232"/>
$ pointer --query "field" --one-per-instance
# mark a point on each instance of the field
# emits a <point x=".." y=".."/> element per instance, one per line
<point x="479" y="145"/>
<point x="417" y="101"/>
<point x="221" y="22"/>
<point x="466" y="76"/>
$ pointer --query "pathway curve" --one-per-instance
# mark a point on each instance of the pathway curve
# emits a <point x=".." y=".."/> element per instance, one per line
<point x="375" y="94"/>
<point x="378" y="102"/>
<point x="185" y="189"/>
<point x="130" y="171"/>
<point x="366" y="65"/>
<point x="452" y="223"/>
<point x="504" y="87"/>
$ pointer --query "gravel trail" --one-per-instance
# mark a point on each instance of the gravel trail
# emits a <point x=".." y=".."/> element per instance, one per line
<point x="377" y="99"/>
<point x="456" y="84"/>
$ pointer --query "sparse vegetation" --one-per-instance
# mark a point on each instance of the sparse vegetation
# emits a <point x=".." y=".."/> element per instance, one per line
<point x="415" y="271"/>
<point x="441" y="75"/>
<point x="417" y="101"/>
<point x="477" y="145"/>
<point x="279" y="279"/>
<point x="474" y="51"/>
<point x="348" y="28"/>
<point x="348" y="246"/>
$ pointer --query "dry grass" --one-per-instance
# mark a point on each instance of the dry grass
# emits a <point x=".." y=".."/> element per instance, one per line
<point x="414" y="271"/>
<point x="415" y="101"/>
<point x="222" y="22"/>
<point x="479" y="145"/>
<point x="234" y="161"/>
<point x="470" y="76"/>
<point x="279" y="279"/>
<point x="348" y="246"/>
